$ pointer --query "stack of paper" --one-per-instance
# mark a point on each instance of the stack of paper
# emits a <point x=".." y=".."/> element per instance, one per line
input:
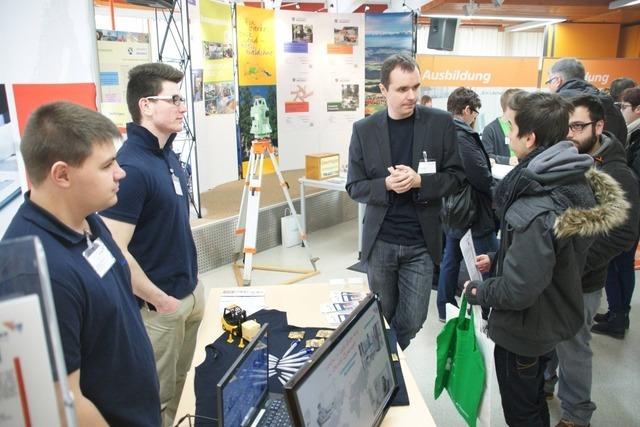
<point x="342" y="304"/>
<point x="250" y="300"/>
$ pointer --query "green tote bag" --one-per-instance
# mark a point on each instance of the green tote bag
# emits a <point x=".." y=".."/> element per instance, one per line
<point x="460" y="367"/>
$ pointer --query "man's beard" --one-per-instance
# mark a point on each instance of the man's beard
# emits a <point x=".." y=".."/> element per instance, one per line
<point x="587" y="146"/>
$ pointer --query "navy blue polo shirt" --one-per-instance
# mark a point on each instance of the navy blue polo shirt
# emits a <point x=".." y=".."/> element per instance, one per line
<point x="100" y="324"/>
<point x="162" y="242"/>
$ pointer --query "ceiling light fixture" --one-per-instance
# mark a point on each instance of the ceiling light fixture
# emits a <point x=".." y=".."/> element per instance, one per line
<point x="532" y="24"/>
<point x="623" y="3"/>
<point x="495" y="18"/>
<point x="366" y="8"/>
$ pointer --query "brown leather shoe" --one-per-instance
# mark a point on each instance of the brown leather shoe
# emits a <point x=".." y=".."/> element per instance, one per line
<point x="567" y="423"/>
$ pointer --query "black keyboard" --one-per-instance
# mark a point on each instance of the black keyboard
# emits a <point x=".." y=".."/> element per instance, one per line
<point x="276" y="415"/>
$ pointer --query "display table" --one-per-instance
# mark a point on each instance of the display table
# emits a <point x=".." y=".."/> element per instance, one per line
<point x="302" y="303"/>
<point x="336" y="184"/>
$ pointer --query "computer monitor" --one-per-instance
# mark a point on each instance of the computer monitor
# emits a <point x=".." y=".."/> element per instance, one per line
<point x="244" y="388"/>
<point x="350" y="380"/>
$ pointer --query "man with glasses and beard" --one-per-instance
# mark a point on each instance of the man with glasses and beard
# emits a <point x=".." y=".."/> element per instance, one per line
<point x="574" y="356"/>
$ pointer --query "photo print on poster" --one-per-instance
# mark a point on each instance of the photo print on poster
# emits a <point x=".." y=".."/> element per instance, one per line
<point x="298" y="101"/>
<point x="345" y="35"/>
<point x="197" y="85"/>
<point x="215" y="50"/>
<point x="219" y="98"/>
<point x="250" y="95"/>
<point x="350" y="99"/>
<point x="385" y="34"/>
<point x="301" y="33"/>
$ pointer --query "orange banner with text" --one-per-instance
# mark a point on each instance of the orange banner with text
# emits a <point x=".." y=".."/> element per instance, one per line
<point x="601" y="72"/>
<point x="477" y="71"/>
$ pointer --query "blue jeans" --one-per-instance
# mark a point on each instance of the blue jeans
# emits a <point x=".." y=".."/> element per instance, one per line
<point x="574" y="357"/>
<point x="621" y="280"/>
<point x="401" y="276"/>
<point x="450" y="267"/>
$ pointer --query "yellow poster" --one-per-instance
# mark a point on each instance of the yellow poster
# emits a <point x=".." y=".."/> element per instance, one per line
<point x="256" y="46"/>
<point x="217" y="41"/>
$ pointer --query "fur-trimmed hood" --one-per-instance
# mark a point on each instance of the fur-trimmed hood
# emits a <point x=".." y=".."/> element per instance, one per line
<point x="588" y="202"/>
<point x="610" y="211"/>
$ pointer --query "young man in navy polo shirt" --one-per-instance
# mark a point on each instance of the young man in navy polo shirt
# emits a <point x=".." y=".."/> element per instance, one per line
<point x="150" y="223"/>
<point x="69" y="155"/>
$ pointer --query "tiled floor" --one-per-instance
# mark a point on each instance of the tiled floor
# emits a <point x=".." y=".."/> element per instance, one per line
<point x="616" y="376"/>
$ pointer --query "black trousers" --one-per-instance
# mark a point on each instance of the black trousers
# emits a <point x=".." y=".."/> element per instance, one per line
<point x="521" y="382"/>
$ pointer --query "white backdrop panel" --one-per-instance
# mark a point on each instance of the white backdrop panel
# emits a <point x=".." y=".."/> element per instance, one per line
<point x="317" y="71"/>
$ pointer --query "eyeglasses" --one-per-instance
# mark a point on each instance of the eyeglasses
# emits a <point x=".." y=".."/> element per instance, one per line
<point x="176" y="100"/>
<point x="622" y="105"/>
<point x="473" y="110"/>
<point x="550" y="80"/>
<point x="579" y="127"/>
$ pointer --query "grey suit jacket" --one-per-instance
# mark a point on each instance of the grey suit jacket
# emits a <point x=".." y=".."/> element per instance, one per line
<point x="370" y="156"/>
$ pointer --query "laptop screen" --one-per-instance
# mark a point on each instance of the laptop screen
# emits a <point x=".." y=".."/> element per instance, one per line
<point x="350" y="380"/>
<point x="244" y="386"/>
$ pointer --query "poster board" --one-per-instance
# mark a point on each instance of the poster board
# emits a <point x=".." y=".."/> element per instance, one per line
<point x="119" y="52"/>
<point x="31" y="358"/>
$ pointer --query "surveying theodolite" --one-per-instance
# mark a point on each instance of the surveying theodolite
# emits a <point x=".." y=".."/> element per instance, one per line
<point x="250" y="204"/>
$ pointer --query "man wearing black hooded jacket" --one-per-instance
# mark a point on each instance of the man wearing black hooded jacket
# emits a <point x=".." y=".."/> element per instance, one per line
<point x="549" y="218"/>
<point x="574" y="356"/>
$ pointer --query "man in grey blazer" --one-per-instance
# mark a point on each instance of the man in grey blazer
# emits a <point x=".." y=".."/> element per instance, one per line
<point x="402" y="161"/>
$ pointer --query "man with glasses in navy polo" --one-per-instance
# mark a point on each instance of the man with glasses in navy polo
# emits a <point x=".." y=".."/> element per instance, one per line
<point x="150" y="223"/>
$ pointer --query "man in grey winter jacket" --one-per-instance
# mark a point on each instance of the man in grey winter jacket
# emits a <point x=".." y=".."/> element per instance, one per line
<point x="549" y="218"/>
<point x="574" y="356"/>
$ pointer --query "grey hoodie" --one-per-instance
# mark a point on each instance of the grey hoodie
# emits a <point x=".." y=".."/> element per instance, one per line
<point x="551" y="218"/>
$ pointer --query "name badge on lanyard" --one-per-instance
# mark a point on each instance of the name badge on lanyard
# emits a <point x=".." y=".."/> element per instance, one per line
<point x="98" y="256"/>
<point x="176" y="183"/>
<point x="426" y="166"/>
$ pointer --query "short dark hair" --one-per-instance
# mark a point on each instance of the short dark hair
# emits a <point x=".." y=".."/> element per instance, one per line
<point x="544" y="114"/>
<point x="619" y="85"/>
<point x="515" y="100"/>
<point x="632" y="96"/>
<point x="146" y="80"/>
<point x="591" y="103"/>
<point x="424" y="99"/>
<point x="460" y="98"/>
<point x="405" y="62"/>
<point x="62" y="131"/>
<point x="569" y="68"/>
<point x="504" y="98"/>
